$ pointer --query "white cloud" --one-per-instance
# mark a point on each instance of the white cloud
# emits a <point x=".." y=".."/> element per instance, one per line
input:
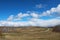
<point x="10" y="18"/>
<point x="22" y="15"/>
<point x="40" y="22"/>
<point x="55" y="10"/>
<point x="35" y="20"/>
<point x="34" y="15"/>
<point x="39" y="6"/>
<point x="32" y="22"/>
<point x="58" y="8"/>
<point x="19" y="16"/>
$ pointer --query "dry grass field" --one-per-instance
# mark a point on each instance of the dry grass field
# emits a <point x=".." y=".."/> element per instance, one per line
<point x="31" y="33"/>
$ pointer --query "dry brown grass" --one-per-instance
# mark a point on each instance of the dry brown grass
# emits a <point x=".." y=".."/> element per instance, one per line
<point x="32" y="33"/>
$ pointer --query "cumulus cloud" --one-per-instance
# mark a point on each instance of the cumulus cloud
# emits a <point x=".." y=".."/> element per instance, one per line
<point x="22" y="15"/>
<point x="35" y="20"/>
<point x="10" y="18"/>
<point x="52" y="11"/>
<point x="32" y="22"/>
<point x="19" y="16"/>
<point x="41" y="22"/>
<point x="34" y="15"/>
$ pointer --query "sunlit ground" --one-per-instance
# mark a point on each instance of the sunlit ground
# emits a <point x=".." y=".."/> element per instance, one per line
<point x="31" y="34"/>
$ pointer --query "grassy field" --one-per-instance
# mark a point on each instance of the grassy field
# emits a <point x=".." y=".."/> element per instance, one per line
<point x="32" y="33"/>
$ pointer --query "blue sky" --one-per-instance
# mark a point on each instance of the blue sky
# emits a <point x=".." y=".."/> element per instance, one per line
<point x="27" y="10"/>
